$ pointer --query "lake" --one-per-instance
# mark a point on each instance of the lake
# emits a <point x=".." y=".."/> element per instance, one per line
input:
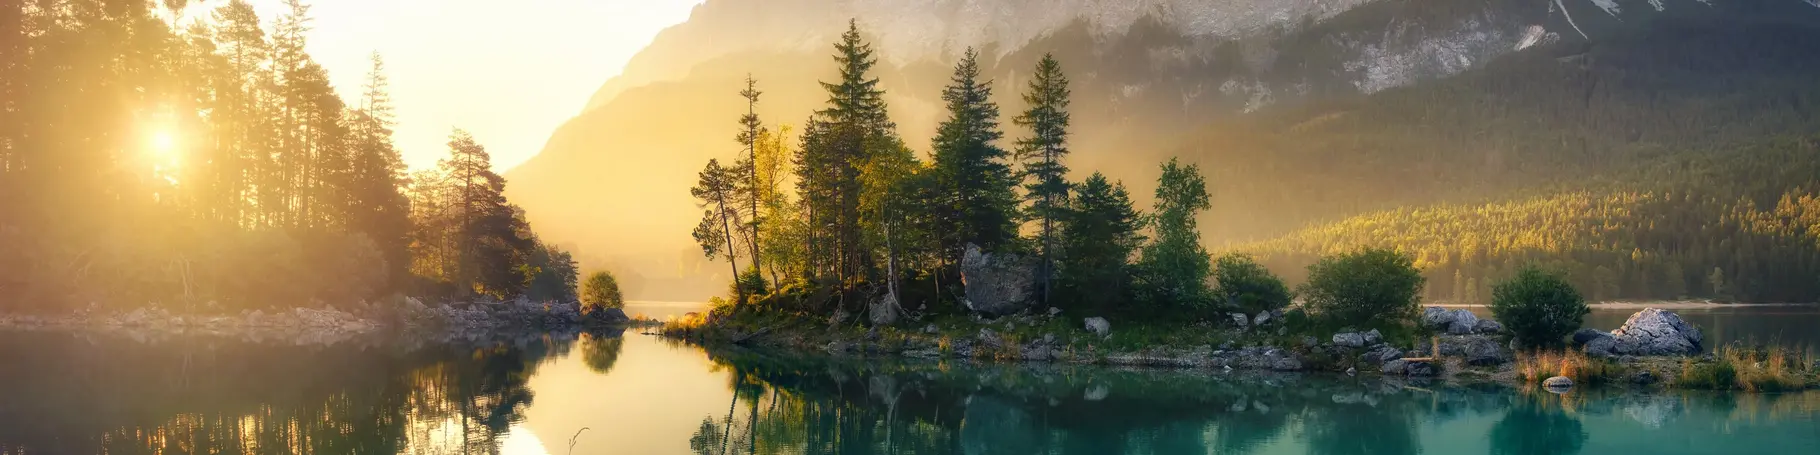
<point x="637" y="394"/>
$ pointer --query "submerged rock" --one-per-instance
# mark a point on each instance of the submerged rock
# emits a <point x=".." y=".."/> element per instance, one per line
<point x="997" y="283"/>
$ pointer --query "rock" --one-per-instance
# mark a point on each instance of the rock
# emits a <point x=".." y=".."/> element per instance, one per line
<point x="1437" y="318"/>
<point x="1602" y="347"/>
<point x="1464" y="323"/>
<point x="608" y="315"/>
<point x="1558" y="382"/>
<point x="1654" y="332"/>
<point x="1309" y="342"/>
<point x="1485" y="352"/>
<point x="1286" y="364"/>
<point x="1262" y="318"/>
<point x="1097" y="392"/>
<point x="1240" y="320"/>
<point x="997" y="284"/>
<point x="1373" y="337"/>
<point x="1643" y="378"/>
<point x="883" y="311"/>
<point x="1349" y="339"/>
<point x="1488" y="327"/>
<point x="1381" y="355"/>
<point x="1398" y="366"/>
<point x="1350" y="371"/>
<point x="1099" y="326"/>
<point x="986" y="337"/>
<point x="1584" y="336"/>
<point x="1420" y="368"/>
<point x="932" y="329"/>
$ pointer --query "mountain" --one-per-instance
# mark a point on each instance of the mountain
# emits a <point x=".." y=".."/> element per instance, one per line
<point x="1227" y="83"/>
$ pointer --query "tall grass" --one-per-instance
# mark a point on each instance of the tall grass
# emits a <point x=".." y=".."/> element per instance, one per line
<point x="1770" y="369"/>
<point x="1538" y="366"/>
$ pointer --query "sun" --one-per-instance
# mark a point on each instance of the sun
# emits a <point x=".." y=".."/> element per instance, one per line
<point x="163" y="145"/>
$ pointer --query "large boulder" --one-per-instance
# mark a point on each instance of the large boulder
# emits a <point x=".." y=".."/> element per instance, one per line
<point x="1484" y="351"/>
<point x="883" y="310"/>
<point x="1099" y="326"/>
<point x="1349" y="339"/>
<point x="997" y="283"/>
<point x="1584" y="336"/>
<point x="1464" y="323"/>
<point x="1653" y="332"/>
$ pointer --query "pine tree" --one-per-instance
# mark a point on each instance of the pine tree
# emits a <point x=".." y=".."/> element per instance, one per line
<point x="715" y="192"/>
<point x="1100" y="231"/>
<point x="835" y="142"/>
<point x="982" y="203"/>
<point x="488" y="231"/>
<point x="375" y="173"/>
<point x="1044" y="175"/>
<point x="750" y="187"/>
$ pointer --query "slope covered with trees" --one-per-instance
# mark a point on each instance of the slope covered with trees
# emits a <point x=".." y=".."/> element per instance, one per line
<point x="213" y="164"/>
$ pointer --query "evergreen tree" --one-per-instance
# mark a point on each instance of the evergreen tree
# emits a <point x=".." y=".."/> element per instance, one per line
<point x="1100" y="232"/>
<point x="1174" y="266"/>
<point x="981" y="207"/>
<point x="836" y="142"/>
<point x="750" y="187"/>
<point x="375" y="173"/>
<point x="488" y="231"/>
<point x="715" y="192"/>
<point x="1044" y="175"/>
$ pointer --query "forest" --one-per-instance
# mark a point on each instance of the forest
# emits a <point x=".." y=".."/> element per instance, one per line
<point x="1669" y="162"/>
<point x="210" y="163"/>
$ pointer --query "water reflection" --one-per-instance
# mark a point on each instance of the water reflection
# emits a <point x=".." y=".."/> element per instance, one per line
<point x="530" y="395"/>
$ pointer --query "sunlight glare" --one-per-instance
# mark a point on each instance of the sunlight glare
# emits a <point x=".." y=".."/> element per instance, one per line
<point x="164" y="144"/>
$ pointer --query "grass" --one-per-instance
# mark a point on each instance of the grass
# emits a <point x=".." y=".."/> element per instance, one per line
<point x="1771" y="369"/>
<point x="1537" y="366"/>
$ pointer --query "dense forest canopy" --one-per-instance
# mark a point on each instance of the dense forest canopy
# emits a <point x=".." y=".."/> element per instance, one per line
<point x="211" y="163"/>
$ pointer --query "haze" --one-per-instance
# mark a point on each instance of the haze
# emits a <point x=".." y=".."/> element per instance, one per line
<point x="507" y="74"/>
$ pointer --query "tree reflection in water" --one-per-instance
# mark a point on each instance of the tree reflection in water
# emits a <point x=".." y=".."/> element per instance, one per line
<point x="790" y="405"/>
<point x="76" y="395"/>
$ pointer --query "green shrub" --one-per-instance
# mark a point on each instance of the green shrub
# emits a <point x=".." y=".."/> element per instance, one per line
<point x="1371" y="288"/>
<point x="1719" y="375"/>
<point x="602" y="290"/>
<point x="751" y="284"/>
<point x="1540" y="308"/>
<point x="1247" y="286"/>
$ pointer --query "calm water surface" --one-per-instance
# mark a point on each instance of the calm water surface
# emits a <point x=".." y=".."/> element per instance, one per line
<point x="637" y="394"/>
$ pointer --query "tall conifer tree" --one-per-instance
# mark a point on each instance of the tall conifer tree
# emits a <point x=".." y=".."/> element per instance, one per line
<point x="982" y="205"/>
<point x="1044" y="175"/>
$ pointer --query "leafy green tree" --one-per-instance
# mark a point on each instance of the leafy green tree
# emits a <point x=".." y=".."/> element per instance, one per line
<point x="1174" y="267"/>
<point x="1245" y="285"/>
<point x="1100" y="232"/>
<point x="1370" y="288"/>
<point x="1539" y="307"/>
<point x="1044" y="176"/>
<point x="981" y="207"/>
<point x="551" y="274"/>
<point x="602" y="291"/>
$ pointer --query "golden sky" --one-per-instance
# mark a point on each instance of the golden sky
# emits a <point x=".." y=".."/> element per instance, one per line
<point x="507" y="72"/>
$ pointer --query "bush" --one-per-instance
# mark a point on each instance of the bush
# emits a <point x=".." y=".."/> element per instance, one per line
<point x="602" y="290"/>
<point x="1371" y="288"/>
<point x="1540" y="308"/>
<point x="751" y="284"/>
<point x="1247" y="286"/>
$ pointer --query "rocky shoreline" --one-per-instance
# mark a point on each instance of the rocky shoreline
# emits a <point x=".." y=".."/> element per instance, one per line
<point x="1649" y="348"/>
<point x="410" y="317"/>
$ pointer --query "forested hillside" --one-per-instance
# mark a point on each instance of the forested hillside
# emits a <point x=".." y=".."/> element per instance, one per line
<point x="1562" y="114"/>
<point x="1677" y="161"/>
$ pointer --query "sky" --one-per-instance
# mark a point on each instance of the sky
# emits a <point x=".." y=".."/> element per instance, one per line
<point x="507" y="72"/>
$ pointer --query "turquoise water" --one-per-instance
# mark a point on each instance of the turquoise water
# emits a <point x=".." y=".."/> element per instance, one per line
<point x="637" y="394"/>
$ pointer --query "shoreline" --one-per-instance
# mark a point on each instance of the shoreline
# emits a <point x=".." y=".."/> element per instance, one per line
<point x="1665" y="305"/>
<point x="1458" y="359"/>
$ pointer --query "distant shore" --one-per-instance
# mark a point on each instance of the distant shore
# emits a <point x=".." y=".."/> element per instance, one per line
<point x="1665" y="304"/>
